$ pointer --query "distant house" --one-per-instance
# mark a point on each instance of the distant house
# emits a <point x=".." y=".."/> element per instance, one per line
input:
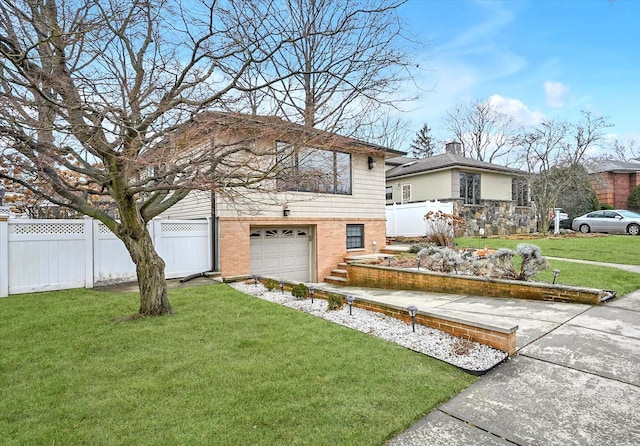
<point x="492" y="199"/>
<point x="613" y="181"/>
<point x="327" y="201"/>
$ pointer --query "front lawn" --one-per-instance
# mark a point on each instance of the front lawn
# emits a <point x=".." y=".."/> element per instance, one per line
<point x="226" y="369"/>
<point x="599" y="248"/>
<point x="605" y="248"/>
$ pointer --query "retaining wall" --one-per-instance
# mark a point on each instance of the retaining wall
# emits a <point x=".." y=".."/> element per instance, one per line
<point x="402" y="279"/>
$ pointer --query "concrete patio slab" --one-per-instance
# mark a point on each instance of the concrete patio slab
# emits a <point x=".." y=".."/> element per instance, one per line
<point x="557" y="312"/>
<point x="528" y="329"/>
<point x="611" y="320"/>
<point x="605" y="354"/>
<point x="629" y="301"/>
<point x="528" y="401"/>
<point x="440" y="429"/>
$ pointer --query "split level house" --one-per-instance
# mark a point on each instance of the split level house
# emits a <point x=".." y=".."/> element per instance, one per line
<point x="613" y="181"/>
<point x="492" y="199"/>
<point x="324" y="200"/>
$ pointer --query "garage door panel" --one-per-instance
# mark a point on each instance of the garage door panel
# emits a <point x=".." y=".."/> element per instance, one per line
<point x="280" y="253"/>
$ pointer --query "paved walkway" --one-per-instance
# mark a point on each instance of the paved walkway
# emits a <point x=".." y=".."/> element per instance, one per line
<point x="574" y="381"/>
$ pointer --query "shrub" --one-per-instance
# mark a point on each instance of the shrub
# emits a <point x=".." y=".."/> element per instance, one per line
<point x="501" y="264"/>
<point x="441" y="228"/>
<point x="270" y="284"/>
<point x="417" y="247"/>
<point x="532" y="261"/>
<point x="300" y="291"/>
<point x="633" y="202"/>
<point x="606" y="207"/>
<point x="334" y="302"/>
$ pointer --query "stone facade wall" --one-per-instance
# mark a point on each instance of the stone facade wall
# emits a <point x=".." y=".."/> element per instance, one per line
<point x="494" y="217"/>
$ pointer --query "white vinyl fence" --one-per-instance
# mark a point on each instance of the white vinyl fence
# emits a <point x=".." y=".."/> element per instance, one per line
<point x="407" y="220"/>
<point x="44" y="255"/>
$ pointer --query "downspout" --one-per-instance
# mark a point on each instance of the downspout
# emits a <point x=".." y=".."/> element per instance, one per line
<point x="215" y="255"/>
<point x="214" y="244"/>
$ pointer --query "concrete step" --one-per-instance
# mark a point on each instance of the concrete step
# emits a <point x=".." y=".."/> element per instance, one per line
<point x="339" y="273"/>
<point x="335" y="280"/>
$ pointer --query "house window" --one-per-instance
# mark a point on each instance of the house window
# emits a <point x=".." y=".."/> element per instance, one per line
<point x="520" y="191"/>
<point x="313" y="170"/>
<point x="406" y="193"/>
<point x="389" y="193"/>
<point x="470" y="187"/>
<point x="355" y="236"/>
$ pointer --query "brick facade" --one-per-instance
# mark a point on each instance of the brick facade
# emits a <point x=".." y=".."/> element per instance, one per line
<point x="328" y="241"/>
<point x="614" y="188"/>
<point x="394" y="278"/>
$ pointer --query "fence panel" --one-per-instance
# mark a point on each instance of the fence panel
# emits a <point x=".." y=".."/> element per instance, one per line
<point x="47" y="255"/>
<point x="111" y="260"/>
<point x="184" y="245"/>
<point x="44" y="255"/>
<point x="407" y="220"/>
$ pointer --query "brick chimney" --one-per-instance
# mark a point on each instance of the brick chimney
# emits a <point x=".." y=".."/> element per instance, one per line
<point x="453" y="147"/>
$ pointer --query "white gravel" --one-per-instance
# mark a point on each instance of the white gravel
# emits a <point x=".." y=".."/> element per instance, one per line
<point x="435" y="343"/>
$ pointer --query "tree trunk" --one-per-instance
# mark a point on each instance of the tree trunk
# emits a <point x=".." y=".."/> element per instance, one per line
<point x="151" y="281"/>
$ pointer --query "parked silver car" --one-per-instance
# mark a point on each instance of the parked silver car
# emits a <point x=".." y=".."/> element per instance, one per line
<point x="617" y="221"/>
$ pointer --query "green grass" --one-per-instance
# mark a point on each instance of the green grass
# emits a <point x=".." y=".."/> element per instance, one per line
<point x="607" y="248"/>
<point x="226" y="369"/>
<point x="611" y="249"/>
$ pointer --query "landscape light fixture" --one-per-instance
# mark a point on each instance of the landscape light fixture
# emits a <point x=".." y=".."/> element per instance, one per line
<point x="282" y="286"/>
<point x="418" y="261"/>
<point x="2" y="192"/>
<point x="350" y="300"/>
<point x="371" y="162"/>
<point x="389" y="259"/>
<point x="285" y="211"/>
<point x="556" y="273"/>
<point x="255" y="280"/>
<point x="413" y="310"/>
<point x="312" y="290"/>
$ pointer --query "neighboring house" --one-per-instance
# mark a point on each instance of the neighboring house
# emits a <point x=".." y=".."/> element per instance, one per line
<point x="328" y="203"/>
<point x="492" y="199"/>
<point x="613" y="181"/>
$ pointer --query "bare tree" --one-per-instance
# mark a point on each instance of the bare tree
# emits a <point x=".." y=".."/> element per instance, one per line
<point x="423" y="144"/>
<point x="94" y="97"/>
<point x="587" y="135"/>
<point x="386" y="130"/>
<point x="347" y="62"/>
<point x="615" y="149"/>
<point x="557" y="179"/>
<point x="486" y="133"/>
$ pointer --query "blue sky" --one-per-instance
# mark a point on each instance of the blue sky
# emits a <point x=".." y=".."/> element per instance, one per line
<point x="536" y="59"/>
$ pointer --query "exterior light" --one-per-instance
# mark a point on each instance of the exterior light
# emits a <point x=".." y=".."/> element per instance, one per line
<point x="556" y="273"/>
<point x="255" y="280"/>
<point x="371" y="162"/>
<point x="418" y="261"/>
<point x="389" y="259"/>
<point x="413" y="310"/>
<point x="2" y="192"/>
<point x="350" y="300"/>
<point x="282" y="286"/>
<point x="312" y="291"/>
<point x="285" y="211"/>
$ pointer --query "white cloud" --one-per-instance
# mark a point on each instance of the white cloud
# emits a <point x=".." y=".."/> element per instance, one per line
<point x="517" y="109"/>
<point x="556" y="93"/>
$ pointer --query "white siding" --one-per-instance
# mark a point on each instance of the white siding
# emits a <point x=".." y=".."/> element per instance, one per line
<point x="195" y="205"/>
<point x="366" y="201"/>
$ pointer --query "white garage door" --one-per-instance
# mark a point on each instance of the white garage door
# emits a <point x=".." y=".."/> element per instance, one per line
<point x="281" y="253"/>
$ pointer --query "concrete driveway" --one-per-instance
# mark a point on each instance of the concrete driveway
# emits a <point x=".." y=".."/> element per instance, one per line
<point x="575" y="380"/>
